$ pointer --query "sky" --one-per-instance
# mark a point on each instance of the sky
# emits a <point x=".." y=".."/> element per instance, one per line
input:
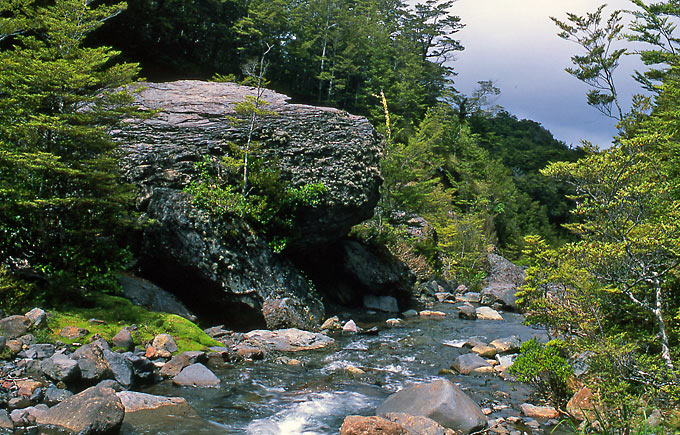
<point x="515" y="44"/>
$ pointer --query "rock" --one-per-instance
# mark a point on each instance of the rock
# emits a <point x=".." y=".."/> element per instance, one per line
<point x="91" y="361"/>
<point x="332" y="324"/>
<point x="27" y="387"/>
<point x="485" y="351"/>
<point x="19" y="402"/>
<point x="429" y="313"/>
<point x="350" y="327"/>
<point x="506" y="360"/>
<point x="123" y="339"/>
<point x="54" y="395"/>
<point x="486" y="313"/>
<point x="500" y="293"/>
<point x="60" y="368"/>
<point x="394" y="322"/>
<point x="444" y="296"/>
<point x="14" y="346"/>
<point x="580" y="403"/>
<point x="234" y="269"/>
<point x="5" y="421"/>
<point x="440" y="401"/>
<point x="73" y="332"/>
<point x="470" y="297"/>
<point x="387" y="304"/>
<point x="465" y="364"/>
<point x="282" y="313"/>
<point x="409" y="314"/>
<point x="165" y="345"/>
<point x="134" y="402"/>
<point x="14" y="326"/>
<point x="502" y="270"/>
<point x="418" y="425"/>
<point x="142" y="368"/>
<point x="178" y="362"/>
<point x="120" y="367"/>
<point x="148" y="295"/>
<point x="37" y="317"/>
<point x="467" y="312"/>
<point x="288" y="340"/>
<point x="249" y="353"/>
<point x="538" y="411"/>
<point x="655" y="419"/>
<point x="508" y="344"/>
<point x="360" y="425"/>
<point x="93" y="411"/>
<point x="40" y="351"/>
<point x="196" y="375"/>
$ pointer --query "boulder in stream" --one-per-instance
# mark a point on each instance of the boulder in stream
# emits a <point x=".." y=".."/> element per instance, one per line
<point x="441" y="401"/>
<point x="465" y="364"/>
<point x="287" y="340"/>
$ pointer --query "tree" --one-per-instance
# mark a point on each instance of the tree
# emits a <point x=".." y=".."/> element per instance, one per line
<point x="596" y="67"/>
<point x="63" y="207"/>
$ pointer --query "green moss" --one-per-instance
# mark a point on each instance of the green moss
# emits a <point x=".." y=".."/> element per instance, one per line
<point x="117" y="312"/>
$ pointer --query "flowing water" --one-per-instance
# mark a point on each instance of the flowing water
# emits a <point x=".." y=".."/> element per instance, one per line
<point x="274" y="398"/>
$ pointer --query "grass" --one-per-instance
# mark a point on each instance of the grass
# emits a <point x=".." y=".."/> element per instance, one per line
<point x="118" y="312"/>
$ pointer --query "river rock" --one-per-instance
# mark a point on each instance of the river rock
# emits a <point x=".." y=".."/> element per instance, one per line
<point x="93" y="411"/>
<point x="178" y="362"/>
<point x="54" y="395"/>
<point x="581" y="403"/>
<point x="288" y="313"/>
<point x="37" y="317"/>
<point x="419" y="425"/>
<point x="120" y="367"/>
<point x="123" y="339"/>
<point x="91" y="361"/>
<point x="5" y="421"/>
<point x="508" y="344"/>
<point x="503" y="279"/>
<point x="233" y="268"/>
<point x="40" y="351"/>
<point x="134" y="402"/>
<point x="440" y="401"/>
<point x="288" y="340"/>
<point x="486" y="313"/>
<point x="470" y="297"/>
<point x="533" y="411"/>
<point x="332" y="324"/>
<point x="60" y="368"/>
<point x="165" y="345"/>
<point x="148" y="295"/>
<point x="14" y="326"/>
<point x="196" y="375"/>
<point x="485" y="351"/>
<point x="465" y="364"/>
<point x="467" y="312"/>
<point x="350" y="327"/>
<point x="387" y="304"/>
<point x="360" y="425"/>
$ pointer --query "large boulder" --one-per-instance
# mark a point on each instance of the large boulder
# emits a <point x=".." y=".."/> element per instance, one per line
<point x="440" y="401"/>
<point x="189" y="252"/>
<point x="148" y="295"/>
<point x="94" y="411"/>
<point x="14" y="326"/>
<point x="503" y="280"/>
<point x="286" y="340"/>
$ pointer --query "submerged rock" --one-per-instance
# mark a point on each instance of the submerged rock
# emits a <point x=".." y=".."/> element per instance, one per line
<point x="440" y="401"/>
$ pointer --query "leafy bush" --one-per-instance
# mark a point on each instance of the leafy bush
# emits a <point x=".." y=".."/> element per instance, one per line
<point x="17" y="295"/>
<point x="545" y="368"/>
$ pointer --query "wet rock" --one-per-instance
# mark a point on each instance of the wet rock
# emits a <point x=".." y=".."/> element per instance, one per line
<point x="165" y="345"/>
<point x="288" y="340"/>
<point x="444" y="296"/>
<point x="467" y="312"/>
<point x="123" y="339"/>
<point x="134" y="402"/>
<point x="440" y="401"/>
<point x="581" y="403"/>
<point x="54" y="395"/>
<point x="143" y="369"/>
<point x="178" y="362"/>
<point x="360" y="425"/>
<point x="430" y="313"/>
<point x="60" y="368"/>
<point x="148" y="295"/>
<point x="282" y="313"/>
<point x="387" y="304"/>
<point x="73" y="332"/>
<point x="418" y="425"/>
<point x="37" y="317"/>
<point x="474" y="341"/>
<point x="486" y="313"/>
<point x="538" y="411"/>
<point x="506" y="360"/>
<point x="409" y="313"/>
<point x="14" y="326"/>
<point x="394" y="322"/>
<point x="249" y="352"/>
<point x="40" y="351"/>
<point x="465" y="364"/>
<point x="196" y="375"/>
<point x="120" y="368"/>
<point x="350" y="327"/>
<point x="332" y="324"/>
<point x="508" y="344"/>
<point x="93" y="411"/>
